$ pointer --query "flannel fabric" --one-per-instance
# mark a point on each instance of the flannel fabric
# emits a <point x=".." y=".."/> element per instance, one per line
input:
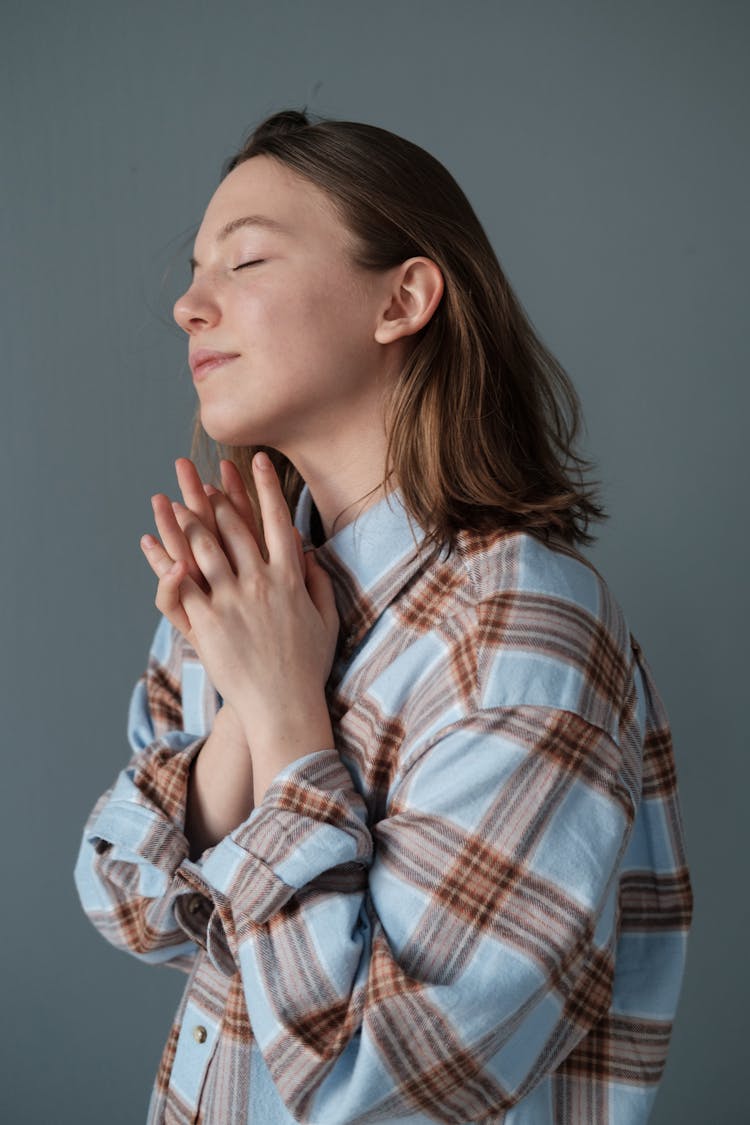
<point x="474" y="907"/>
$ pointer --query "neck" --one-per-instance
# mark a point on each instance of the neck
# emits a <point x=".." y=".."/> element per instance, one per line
<point x="344" y="471"/>
<point x="338" y="501"/>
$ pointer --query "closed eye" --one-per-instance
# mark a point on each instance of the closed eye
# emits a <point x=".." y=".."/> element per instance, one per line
<point x="257" y="262"/>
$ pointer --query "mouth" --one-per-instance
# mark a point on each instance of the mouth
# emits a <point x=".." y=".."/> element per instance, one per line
<point x="206" y="366"/>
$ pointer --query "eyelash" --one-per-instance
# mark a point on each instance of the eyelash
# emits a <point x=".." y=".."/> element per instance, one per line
<point x="254" y="263"/>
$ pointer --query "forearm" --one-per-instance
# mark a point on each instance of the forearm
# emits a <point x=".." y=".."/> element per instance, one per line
<point x="285" y="735"/>
<point x="220" y="785"/>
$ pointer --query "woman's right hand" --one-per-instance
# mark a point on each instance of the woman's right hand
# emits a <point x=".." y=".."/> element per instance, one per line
<point x="175" y="549"/>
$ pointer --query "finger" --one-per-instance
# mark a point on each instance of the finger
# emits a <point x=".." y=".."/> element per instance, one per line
<point x="172" y="536"/>
<point x="156" y="556"/>
<point x="180" y="600"/>
<point x="320" y="589"/>
<point x="277" y="520"/>
<point x="167" y="598"/>
<point x="236" y="490"/>
<point x="232" y="533"/>
<point x="211" y="493"/>
<point x="207" y="551"/>
<point x="300" y="552"/>
<point x="193" y="494"/>
<point x="235" y="536"/>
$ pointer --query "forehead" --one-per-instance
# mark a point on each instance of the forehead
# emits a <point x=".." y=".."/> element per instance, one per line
<point x="264" y="187"/>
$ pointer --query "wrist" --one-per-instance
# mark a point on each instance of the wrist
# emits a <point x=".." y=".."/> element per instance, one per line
<point x="230" y="723"/>
<point x="295" y="721"/>
<point x="281" y="739"/>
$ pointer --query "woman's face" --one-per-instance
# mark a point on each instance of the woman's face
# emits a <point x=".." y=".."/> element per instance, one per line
<point x="301" y="321"/>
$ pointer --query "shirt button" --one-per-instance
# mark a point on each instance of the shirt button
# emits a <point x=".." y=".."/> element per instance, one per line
<point x="194" y="904"/>
<point x="199" y="1033"/>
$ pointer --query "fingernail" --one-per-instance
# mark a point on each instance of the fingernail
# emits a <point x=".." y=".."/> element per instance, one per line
<point x="148" y="541"/>
<point x="261" y="460"/>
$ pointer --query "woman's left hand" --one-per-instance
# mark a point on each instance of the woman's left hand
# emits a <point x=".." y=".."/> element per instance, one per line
<point x="266" y="635"/>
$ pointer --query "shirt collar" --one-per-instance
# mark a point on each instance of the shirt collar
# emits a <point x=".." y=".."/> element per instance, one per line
<point x="370" y="560"/>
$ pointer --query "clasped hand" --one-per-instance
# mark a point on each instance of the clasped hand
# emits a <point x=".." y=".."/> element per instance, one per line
<point x="265" y="631"/>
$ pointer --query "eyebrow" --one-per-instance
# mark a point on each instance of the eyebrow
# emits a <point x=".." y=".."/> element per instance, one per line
<point x="246" y="221"/>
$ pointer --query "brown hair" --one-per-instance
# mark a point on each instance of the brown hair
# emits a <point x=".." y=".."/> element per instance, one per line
<point x="482" y="420"/>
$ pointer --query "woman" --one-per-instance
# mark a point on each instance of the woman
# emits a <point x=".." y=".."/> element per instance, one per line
<point x="402" y="798"/>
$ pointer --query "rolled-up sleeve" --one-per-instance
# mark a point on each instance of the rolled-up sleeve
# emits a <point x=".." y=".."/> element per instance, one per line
<point x="134" y="838"/>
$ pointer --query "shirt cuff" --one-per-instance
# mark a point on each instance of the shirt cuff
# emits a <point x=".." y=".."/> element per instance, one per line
<point x="311" y="819"/>
<point x="143" y="824"/>
<point x="145" y="812"/>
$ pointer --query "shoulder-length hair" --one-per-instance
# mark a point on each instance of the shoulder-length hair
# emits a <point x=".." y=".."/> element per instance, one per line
<point x="482" y="419"/>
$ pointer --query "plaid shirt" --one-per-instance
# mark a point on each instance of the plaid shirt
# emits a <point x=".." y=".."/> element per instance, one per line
<point x="474" y="908"/>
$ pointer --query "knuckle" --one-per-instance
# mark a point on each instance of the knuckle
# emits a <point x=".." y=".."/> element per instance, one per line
<point x="205" y="542"/>
<point x="290" y="581"/>
<point x="225" y="511"/>
<point x="258" y="589"/>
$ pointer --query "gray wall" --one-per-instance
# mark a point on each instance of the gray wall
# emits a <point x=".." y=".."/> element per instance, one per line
<point x="604" y="147"/>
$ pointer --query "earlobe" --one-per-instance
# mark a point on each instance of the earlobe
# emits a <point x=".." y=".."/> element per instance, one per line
<point x="417" y="290"/>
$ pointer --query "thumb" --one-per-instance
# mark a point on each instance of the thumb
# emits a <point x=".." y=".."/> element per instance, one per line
<point x="320" y="589"/>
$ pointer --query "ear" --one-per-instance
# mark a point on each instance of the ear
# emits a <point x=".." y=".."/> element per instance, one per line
<point x="413" y="293"/>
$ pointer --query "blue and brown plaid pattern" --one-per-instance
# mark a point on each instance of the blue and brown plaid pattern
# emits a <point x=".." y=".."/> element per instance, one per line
<point x="475" y="907"/>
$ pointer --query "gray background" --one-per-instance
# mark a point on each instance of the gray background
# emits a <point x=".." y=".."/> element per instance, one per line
<point x="604" y="147"/>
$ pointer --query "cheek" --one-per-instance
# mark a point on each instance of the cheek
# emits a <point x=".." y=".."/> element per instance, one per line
<point x="319" y="323"/>
<point x="284" y="312"/>
<point x="340" y="313"/>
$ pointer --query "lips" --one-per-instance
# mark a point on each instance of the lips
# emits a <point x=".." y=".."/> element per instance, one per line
<point x="206" y="359"/>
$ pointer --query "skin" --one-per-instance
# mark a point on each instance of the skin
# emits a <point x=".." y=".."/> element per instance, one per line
<point x="317" y="340"/>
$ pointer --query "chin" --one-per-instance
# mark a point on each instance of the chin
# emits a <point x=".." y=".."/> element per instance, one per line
<point x="226" y="431"/>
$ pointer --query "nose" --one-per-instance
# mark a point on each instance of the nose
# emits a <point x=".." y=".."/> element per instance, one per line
<point x="195" y="308"/>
